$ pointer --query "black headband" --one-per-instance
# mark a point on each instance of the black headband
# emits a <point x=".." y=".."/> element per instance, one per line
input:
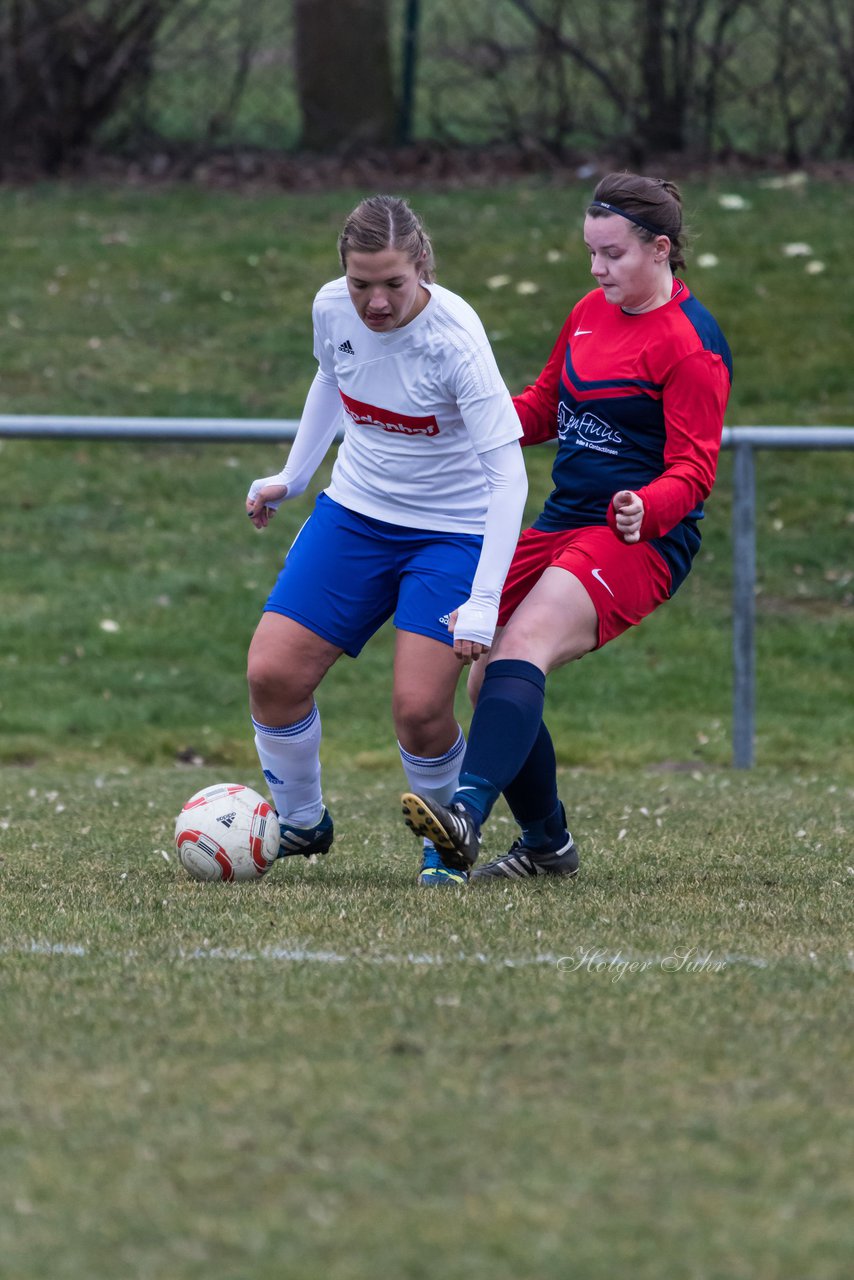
<point x="632" y="217"/>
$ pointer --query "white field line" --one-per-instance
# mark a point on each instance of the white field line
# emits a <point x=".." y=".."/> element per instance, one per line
<point x="583" y="960"/>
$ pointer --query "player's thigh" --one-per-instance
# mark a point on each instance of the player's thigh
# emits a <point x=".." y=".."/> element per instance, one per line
<point x="477" y="670"/>
<point x="287" y="661"/>
<point x="594" y="589"/>
<point x="340" y="576"/>
<point x="436" y="573"/>
<point x="426" y="674"/>
<point x="435" y="580"/>
<point x="555" y="623"/>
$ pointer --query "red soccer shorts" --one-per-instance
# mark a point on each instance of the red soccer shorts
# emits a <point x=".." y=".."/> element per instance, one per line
<point x="625" y="581"/>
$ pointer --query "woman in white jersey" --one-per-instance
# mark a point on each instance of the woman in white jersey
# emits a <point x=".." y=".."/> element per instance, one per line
<point x="419" y="521"/>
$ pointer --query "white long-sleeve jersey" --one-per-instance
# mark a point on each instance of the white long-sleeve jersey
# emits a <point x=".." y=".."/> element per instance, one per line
<point x="430" y="431"/>
<point x="417" y="406"/>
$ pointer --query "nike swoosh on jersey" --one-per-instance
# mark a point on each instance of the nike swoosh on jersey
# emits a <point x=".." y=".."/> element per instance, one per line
<point x="597" y="574"/>
<point x="579" y="333"/>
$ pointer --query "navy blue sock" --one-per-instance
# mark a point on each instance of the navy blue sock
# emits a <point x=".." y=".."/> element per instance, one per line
<point x="532" y="795"/>
<point x="504" y="727"/>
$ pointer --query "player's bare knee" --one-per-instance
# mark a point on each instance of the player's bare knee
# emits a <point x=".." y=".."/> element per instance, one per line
<point x="276" y="692"/>
<point x="422" y="729"/>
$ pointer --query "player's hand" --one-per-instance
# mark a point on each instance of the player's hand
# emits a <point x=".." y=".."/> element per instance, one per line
<point x="628" y="512"/>
<point x="262" y="500"/>
<point x="473" y="628"/>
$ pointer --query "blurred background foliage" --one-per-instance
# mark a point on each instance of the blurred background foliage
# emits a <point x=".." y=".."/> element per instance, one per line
<point x="556" y="81"/>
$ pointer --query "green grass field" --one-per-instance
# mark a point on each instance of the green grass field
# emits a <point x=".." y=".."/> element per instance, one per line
<point x="333" y="1074"/>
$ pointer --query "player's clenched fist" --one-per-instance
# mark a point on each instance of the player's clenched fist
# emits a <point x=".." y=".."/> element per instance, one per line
<point x="628" y="513"/>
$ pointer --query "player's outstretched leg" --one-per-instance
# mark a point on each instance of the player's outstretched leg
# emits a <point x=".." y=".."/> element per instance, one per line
<point x="545" y="846"/>
<point x="450" y="828"/>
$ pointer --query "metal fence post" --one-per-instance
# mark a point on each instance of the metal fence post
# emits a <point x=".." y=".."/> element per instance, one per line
<point x="743" y="605"/>
<point x="410" y="56"/>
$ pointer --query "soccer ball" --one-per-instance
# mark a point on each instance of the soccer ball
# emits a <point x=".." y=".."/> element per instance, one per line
<point x="227" y="832"/>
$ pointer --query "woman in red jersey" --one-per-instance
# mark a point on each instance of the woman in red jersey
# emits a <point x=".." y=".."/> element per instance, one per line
<point x="634" y="391"/>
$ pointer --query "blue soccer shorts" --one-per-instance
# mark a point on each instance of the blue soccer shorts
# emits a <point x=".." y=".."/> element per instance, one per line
<point x="346" y="574"/>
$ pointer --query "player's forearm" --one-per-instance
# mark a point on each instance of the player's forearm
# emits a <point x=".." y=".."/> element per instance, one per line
<point x="668" y="500"/>
<point x="320" y="420"/>
<point x="508" y="488"/>
<point x="694" y="404"/>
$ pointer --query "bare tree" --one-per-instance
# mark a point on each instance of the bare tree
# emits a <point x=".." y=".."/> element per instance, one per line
<point x="66" y="67"/>
<point x="588" y="57"/>
<point x="631" y="79"/>
<point x="656" y="77"/>
<point x="836" y="24"/>
<point x="344" y="75"/>
<point x="810" y="81"/>
<point x="667" y="49"/>
<point x="720" y="50"/>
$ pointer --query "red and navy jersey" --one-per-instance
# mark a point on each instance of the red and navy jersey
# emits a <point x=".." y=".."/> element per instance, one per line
<point x="636" y="402"/>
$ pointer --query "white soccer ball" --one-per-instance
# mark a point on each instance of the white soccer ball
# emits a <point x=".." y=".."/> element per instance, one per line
<point x="227" y="832"/>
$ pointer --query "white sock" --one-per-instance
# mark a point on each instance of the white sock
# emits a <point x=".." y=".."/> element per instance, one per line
<point x="434" y="777"/>
<point x="290" y="759"/>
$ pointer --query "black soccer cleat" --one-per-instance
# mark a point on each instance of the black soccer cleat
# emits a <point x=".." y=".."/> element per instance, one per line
<point x="521" y="863"/>
<point x="306" y="840"/>
<point x="451" y="829"/>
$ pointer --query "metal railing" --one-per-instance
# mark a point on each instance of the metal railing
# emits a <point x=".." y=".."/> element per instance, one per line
<point x="743" y="441"/>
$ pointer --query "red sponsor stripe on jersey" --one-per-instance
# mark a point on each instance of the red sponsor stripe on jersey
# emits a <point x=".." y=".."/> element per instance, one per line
<point x="370" y="415"/>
